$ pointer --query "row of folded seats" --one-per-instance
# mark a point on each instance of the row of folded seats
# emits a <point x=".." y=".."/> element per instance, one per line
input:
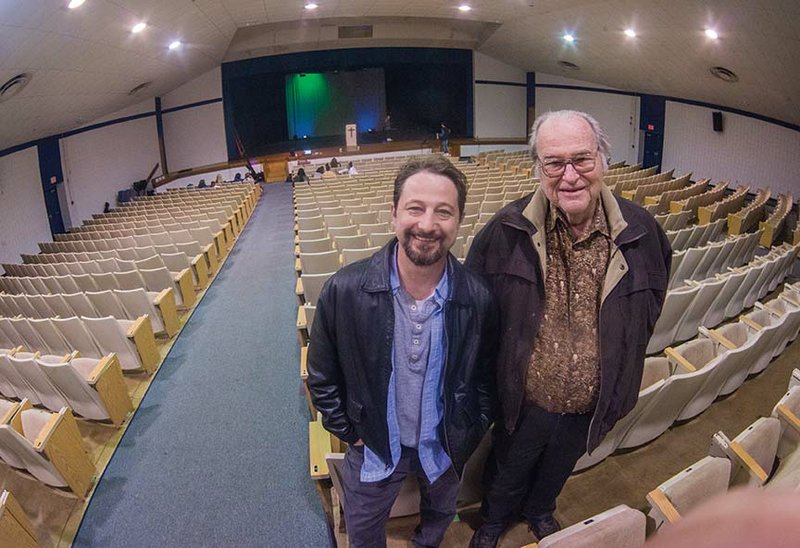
<point x="766" y="455"/>
<point x="709" y="302"/>
<point x="71" y="322"/>
<point x="690" y="377"/>
<point x="699" y="263"/>
<point x="151" y="279"/>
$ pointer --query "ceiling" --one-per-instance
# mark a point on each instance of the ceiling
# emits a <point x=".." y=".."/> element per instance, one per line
<point x="84" y="61"/>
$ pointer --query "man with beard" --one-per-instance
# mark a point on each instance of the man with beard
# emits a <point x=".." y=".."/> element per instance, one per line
<point x="399" y="362"/>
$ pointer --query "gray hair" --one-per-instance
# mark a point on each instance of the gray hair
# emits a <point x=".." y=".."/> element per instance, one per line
<point x="603" y="146"/>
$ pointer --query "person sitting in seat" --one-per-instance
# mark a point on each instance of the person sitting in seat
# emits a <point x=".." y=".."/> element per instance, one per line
<point x="202" y="184"/>
<point x="328" y="174"/>
<point x="334" y="162"/>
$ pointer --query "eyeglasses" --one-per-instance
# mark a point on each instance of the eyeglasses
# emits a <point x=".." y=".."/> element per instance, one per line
<point x="555" y="167"/>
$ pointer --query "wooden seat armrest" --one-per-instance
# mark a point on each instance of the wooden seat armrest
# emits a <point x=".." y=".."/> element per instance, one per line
<point x="301" y="317"/>
<point x="719" y="338"/>
<point x="789" y="299"/>
<point x="24" y="535"/>
<point x="136" y="326"/>
<point x="672" y="354"/>
<point x="319" y="444"/>
<point x="659" y="500"/>
<point x="748" y="461"/>
<point x="141" y="333"/>
<point x="789" y="416"/>
<point x="298" y="287"/>
<point x="61" y="442"/>
<point x="16" y="418"/>
<point x="161" y="296"/>
<point x="751" y="323"/>
<point x="102" y="366"/>
<point x="304" y="363"/>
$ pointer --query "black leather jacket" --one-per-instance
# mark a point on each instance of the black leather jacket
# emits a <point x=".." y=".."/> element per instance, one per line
<point x="350" y="356"/>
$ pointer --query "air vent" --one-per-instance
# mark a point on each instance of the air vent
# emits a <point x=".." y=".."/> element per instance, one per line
<point x="726" y="75"/>
<point x="569" y="66"/>
<point x="14" y="85"/>
<point x="139" y="88"/>
<point x="355" y="31"/>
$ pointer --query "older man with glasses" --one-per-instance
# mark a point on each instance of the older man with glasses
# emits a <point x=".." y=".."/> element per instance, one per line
<point x="579" y="276"/>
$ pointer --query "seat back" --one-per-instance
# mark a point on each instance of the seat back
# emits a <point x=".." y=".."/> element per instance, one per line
<point x="111" y="337"/>
<point x="81" y="397"/>
<point x="79" y="304"/>
<point x="106" y="303"/>
<point x="77" y="336"/>
<point x="620" y="527"/>
<point x="137" y="303"/>
<point x="46" y="393"/>
<point x="53" y="340"/>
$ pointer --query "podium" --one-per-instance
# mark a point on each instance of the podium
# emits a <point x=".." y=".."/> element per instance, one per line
<point x="351" y="136"/>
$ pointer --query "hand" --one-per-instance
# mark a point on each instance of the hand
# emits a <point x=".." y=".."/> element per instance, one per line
<point x="359" y="443"/>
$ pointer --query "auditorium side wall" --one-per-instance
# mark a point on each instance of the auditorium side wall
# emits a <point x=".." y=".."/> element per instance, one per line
<point x="23" y="217"/>
<point x="747" y="151"/>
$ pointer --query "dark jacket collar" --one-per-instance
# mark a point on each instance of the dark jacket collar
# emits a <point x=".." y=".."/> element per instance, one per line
<point x="376" y="277"/>
<point x="513" y="215"/>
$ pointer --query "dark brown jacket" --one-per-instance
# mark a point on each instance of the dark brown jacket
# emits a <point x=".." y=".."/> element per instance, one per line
<point x="510" y="252"/>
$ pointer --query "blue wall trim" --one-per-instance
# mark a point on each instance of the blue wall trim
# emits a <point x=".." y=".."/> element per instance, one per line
<point x="760" y="117"/>
<point x="28" y="144"/>
<point x="192" y="105"/>
<point x="501" y="83"/>
<point x="49" y="153"/>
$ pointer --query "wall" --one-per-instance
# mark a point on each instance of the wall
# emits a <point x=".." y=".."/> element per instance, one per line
<point x="618" y="114"/>
<point x="500" y="106"/>
<point x="23" y="217"/>
<point x="748" y="151"/>
<point x="99" y="162"/>
<point x="195" y="136"/>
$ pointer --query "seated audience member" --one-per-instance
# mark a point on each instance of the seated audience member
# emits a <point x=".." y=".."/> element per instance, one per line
<point x="238" y="177"/>
<point x="320" y="169"/>
<point x="301" y="176"/>
<point x="106" y="207"/>
<point x="334" y="162"/>
<point x="351" y="169"/>
<point x="249" y="178"/>
<point x="741" y="517"/>
<point x="202" y="184"/>
<point x="328" y="174"/>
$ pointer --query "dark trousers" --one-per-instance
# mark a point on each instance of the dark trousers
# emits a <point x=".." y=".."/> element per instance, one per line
<point x="527" y="469"/>
<point x="367" y="505"/>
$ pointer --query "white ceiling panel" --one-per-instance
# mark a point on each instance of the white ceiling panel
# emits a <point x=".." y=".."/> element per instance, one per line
<point x="84" y="61"/>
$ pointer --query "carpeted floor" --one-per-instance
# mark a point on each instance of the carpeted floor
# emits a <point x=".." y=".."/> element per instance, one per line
<point x="217" y="454"/>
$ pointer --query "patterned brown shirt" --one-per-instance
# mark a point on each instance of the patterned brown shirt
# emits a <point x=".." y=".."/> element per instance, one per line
<point x="564" y="369"/>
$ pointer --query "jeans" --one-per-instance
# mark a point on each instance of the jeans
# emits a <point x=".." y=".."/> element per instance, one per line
<point x="367" y="505"/>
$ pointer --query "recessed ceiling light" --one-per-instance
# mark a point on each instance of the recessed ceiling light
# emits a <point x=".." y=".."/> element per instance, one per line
<point x="311" y="6"/>
<point x="138" y="27"/>
<point x="464" y="7"/>
<point x="175" y="45"/>
<point x="569" y="38"/>
<point x="630" y="33"/>
<point x="711" y="33"/>
<point x="75" y="4"/>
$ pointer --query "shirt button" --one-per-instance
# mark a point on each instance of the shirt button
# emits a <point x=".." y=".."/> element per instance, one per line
<point x="416" y="341"/>
<point x="622" y="267"/>
<point x="419" y="326"/>
<point x="413" y="307"/>
<point x="414" y="357"/>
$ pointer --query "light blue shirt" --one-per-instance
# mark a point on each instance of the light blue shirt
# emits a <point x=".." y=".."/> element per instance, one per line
<point x="432" y="456"/>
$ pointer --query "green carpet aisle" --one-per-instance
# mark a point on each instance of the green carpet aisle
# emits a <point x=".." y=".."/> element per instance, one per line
<point x="217" y="454"/>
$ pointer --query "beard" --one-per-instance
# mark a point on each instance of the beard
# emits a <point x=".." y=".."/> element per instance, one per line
<point x="428" y="253"/>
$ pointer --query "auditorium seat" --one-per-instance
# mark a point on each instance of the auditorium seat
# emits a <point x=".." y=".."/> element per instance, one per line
<point x="678" y="390"/>
<point x="381" y="239"/>
<point x="770" y="329"/>
<point x="352" y="255"/>
<point x="705" y="357"/>
<point x="316" y="246"/>
<point x="47" y="445"/>
<point x="107" y="304"/>
<point x="620" y="527"/>
<point x="787" y="411"/>
<point x="752" y="453"/>
<point x="743" y="344"/>
<point x="654" y="375"/>
<point x="319" y="263"/>
<point x="53" y="339"/>
<point x="342" y="242"/>
<point x="312" y="286"/>
<point x="687" y="489"/>
<point x="676" y="303"/>
<point x="698" y="308"/>
<point x="93" y="388"/>
<point x="132" y="341"/>
<point x="48" y="395"/>
<point x="78" y="336"/>
<point x="158" y="306"/>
